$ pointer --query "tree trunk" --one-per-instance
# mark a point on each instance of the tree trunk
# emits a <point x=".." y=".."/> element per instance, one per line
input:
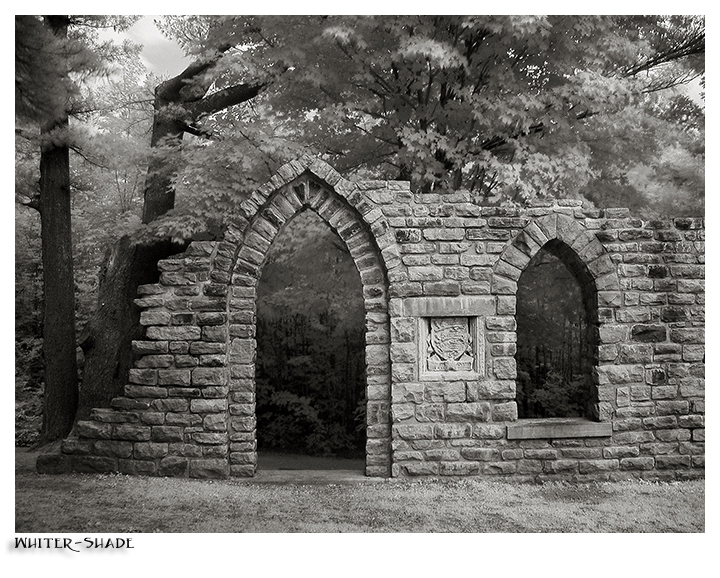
<point x="107" y="338"/>
<point x="159" y="194"/>
<point x="59" y="340"/>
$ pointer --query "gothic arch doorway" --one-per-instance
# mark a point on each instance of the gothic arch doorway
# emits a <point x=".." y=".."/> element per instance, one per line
<point x="310" y="367"/>
<point x="340" y="207"/>
<point x="556" y="345"/>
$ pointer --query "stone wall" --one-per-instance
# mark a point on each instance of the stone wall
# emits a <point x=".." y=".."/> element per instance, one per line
<point x="439" y="276"/>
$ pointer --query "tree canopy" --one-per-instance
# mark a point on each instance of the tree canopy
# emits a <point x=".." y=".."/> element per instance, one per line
<point x="508" y="107"/>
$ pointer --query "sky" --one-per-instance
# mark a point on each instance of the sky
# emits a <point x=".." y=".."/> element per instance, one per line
<point x="161" y="56"/>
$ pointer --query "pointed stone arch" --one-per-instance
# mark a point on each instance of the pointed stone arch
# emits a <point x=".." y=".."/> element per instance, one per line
<point x="306" y="185"/>
<point x="569" y="237"/>
<point x="584" y="255"/>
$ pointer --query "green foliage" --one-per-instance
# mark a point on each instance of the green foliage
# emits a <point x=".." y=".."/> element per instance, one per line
<point x="310" y="364"/>
<point x="546" y="393"/>
<point x="509" y="107"/>
<point x="551" y="330"/>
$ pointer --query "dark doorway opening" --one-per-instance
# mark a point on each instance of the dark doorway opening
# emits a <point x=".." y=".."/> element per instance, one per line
<point x="556" y="317"/>
<point x="310" y="368"/>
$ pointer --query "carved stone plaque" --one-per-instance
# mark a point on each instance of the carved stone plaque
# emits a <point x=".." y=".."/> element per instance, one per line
<point x="449" y="344"/>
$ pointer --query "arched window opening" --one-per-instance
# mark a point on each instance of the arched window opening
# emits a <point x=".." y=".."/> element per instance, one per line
<point x="556" y="346"/>
<point x="310" y="368"/>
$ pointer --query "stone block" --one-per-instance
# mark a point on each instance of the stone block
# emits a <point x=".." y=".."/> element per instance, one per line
<point x="113" y="449"/>
<point x="453" y="431"/>
<point x="620" y="374"/>
<point x="505" y="368"/>
<point x="413" y="431"/>
<point x="131" y="432"/>
<point x="73" y="445"/>
<point x="459" y="468"/>
<point x="93" y="430"/>
<point x="403" y="352"/>
<point x="481" y="454"/>
<point x="173" y="466"/>
<point x="612" y="333"/>
<point x="149" y="347"/>
<point x="213" y="468"/>
<point x="422" y="469"/>
<point x="149" y="450"/>
<point x="504" y="411"/>
<point x="185" y="450"/>
<point x="691" y="421"/>
<point x="145" y="391"/>
<point x="442" y="455"/>
<point x="669" y="462"/>
<point x="408" y="392"/>
<point x="680" y="407"/>
<point x="540" y="454"/>
<point x="499" y="468"/>
<point x="179" y="333"/>
<point x="490" y="389"/>
<point x="637" y="463"/>
<point x="468" y="412"/>
<point x="619" y="452"/>
<point x="635" y="353"/>
<point x="53" y="464"/>
<point x="108" y="415"/>
<point x="560" y="466"/>
<point x="447" y="391"/>
<point x="130" y="404"/>
<point x="689" y="335"/>
<point x="176" y="377"/>
<point x="167" y="433"/>
<point x="94" y="464"/>
<point x="143" y="376"/>
<point x="581" y="453"/>
<point x="171" y="405"/>
<point x="488" y="431"/>
<point x="673" y="435"/>
<point x="154" y="317"/>
<point x="208" y="405"/>
<point x="432" y="412"/>
<point x="243" y="458"/>
<point x="447" y="288"/>
<point x="210" y="438"/>
<point x="242" y="424"/>
<point x="648" y="333"/>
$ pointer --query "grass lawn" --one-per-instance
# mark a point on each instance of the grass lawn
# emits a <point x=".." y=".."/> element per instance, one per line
<point x="114" y="503"/>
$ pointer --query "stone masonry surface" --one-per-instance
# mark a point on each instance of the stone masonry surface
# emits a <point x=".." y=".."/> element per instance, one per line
<point x="189" y="407"/>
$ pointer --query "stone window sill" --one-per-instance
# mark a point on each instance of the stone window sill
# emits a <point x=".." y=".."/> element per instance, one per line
<point x="553" y="428"/>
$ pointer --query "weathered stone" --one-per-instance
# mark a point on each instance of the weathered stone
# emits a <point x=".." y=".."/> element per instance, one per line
<point x="189" y="406"/>
<point x="113" y="449"/>
<point x="649" y="333"/>
<point x="167" y="433"/>
<point x="480" y="454"/>
<point x="208" y="405"/>
<point x="93" y="430"/>
<point x="53" y="464"/>
<point x="209" y="468"/>
<point x="143" y="376"/>
<point x="149" y="450"/>
<point x="177" y="377"/>
<point x="468" y="412"/>
<point x="131" y="432"/>
<point x="444" y="391"/>
<point x="94" y="464"/>
<point x="174" y="333"/>
<point x="173" y="466"/>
